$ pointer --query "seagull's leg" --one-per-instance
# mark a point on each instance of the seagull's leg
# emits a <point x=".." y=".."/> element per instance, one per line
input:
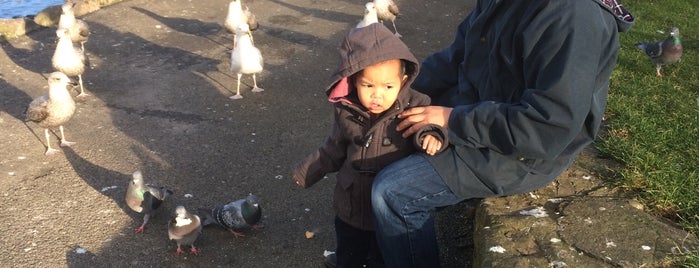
<point x="82" y="90"/>
<point x="657" y="70"/>
<point x="179" y="250"/>
<point x="237" y="90"/>
<point x="396" y="29"/>
<point x="194" y="250"/>
<point x="254" y="85"/>
<point x="143" y="226"/>
<point x="64" y="142"/>
<point x="49" y="150"/>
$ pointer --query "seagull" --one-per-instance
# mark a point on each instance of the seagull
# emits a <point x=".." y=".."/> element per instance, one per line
<point x="144" y="198"/>
<point x="53" y="109"/>
<point x="184" y="228"/>
<point x="666" y="51"/>
<point x="77" y="29"/>
<point x="245" y="59"/>
<point x="235" y="216"/>
<point x="370" y="15"/>
<point x="69" y="59"/>
<point x="237" y="16"/>
<point x="387" y="10"/>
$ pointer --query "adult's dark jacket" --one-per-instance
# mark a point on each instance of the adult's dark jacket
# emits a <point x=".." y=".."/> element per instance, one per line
<point x="528" y="81"/>
<point x="359" y="146"/>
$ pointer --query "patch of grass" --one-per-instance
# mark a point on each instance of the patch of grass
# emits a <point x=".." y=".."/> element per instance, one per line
<point x="652" y="122"/>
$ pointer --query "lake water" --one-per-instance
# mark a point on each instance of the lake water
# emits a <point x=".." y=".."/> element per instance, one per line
<point x="21" y="8"/>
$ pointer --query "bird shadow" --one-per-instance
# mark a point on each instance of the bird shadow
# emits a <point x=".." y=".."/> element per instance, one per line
<point x="109" y="183"/>
<point x="14" y="100"/>
<point x="34" y="55"/>
<point x="183" y="25"/>
<point x="320" y="13"/>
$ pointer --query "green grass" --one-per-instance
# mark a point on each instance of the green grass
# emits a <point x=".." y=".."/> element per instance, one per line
<point x="653" y="123"/>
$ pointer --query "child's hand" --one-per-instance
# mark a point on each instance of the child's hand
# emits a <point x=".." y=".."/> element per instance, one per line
<point x="431" y="144"/>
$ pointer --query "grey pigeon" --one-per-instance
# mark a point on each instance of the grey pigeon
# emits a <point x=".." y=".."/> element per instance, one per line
<point x="53" y="109"/>
<point x="77" y="29"/>
<point x="184" y="228"/>
<point x="69" y="59"/>
<point x="387" y="10"/>
<point x="666" y="51"/>
<point x="235" y="216"/>
<point x="144" y="198"/>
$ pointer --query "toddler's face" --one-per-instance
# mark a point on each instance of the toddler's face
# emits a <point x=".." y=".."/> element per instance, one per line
<point x="378" y="85"/>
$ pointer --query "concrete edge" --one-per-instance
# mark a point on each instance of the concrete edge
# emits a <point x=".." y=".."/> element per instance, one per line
<point x="16" y="27"/>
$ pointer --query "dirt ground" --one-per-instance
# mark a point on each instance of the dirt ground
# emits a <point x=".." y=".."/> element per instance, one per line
<point x="159" y="84"/>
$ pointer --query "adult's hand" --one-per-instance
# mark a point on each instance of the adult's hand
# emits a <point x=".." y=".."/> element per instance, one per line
<point x="418" y="117"/>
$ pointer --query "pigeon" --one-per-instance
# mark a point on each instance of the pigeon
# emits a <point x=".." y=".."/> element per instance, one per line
<point x="69" y="59"/>
<point x="144" y="198"/>
<point x="245" y="59"/>
<point x="184" y="228"/>
<point x="235" y="216"/>
<point x="237" y="16"/>
<point x="387" y="10"/>
<point x="666" y="51"/>
<point x="369" y="15"/>
<point x="77" y="29"/>
<point x="53" y="109"/>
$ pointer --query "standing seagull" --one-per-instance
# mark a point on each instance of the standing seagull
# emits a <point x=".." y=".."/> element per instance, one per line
<point x="387" y="10"/>
<point x="245" y="59"/>
<point x="184" y="228"/>
<point x="53" y="109"/>
<point x="68" y="58"/>
<point x="238" y="16"/>
<point x="144" y="198"/>
<point x="370" y="15"/>
<point x="666" y="51"/>
<point x="77" y="29"/>
<point x="235" y="216"/>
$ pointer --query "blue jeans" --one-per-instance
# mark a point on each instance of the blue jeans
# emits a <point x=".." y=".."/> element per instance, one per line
<point x="403" y="197"/>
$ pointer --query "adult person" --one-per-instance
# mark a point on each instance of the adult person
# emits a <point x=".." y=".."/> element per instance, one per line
<point x="521" y="90"/>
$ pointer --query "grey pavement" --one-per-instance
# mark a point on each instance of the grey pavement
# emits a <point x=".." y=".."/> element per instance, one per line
<point x="159" y="84"/>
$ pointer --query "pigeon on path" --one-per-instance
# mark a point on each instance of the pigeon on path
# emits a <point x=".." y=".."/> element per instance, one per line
<point x="237" y="16"/>
<point x="53" y="109"/>
<point x="370" y="15"/>
<point x="387" y="10"/>
<point x="235" y="216"/>
<point x="77" y="29"/>
<point x="69" y="59"/>
<point x="666" y="51"/>
<point x="144" y="198"/>
<point x="245" y="59"/>
<point x="184" y="228"/>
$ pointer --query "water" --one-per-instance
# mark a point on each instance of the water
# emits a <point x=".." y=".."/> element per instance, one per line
<point x="21" y="8"/>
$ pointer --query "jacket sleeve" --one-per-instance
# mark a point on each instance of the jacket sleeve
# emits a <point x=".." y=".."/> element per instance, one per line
<point x="328" y="158"/>
<point x="563" y="50"/>
<point x="434" y="130"/>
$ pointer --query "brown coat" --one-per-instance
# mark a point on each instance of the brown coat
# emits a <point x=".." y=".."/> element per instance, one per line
<point x="359" y="147"/>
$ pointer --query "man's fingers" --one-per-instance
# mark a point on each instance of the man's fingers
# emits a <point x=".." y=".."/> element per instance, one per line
<point x="411" y="111"/>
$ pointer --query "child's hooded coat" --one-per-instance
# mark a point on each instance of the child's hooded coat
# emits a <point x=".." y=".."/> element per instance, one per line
<point x="358" y="146"/>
